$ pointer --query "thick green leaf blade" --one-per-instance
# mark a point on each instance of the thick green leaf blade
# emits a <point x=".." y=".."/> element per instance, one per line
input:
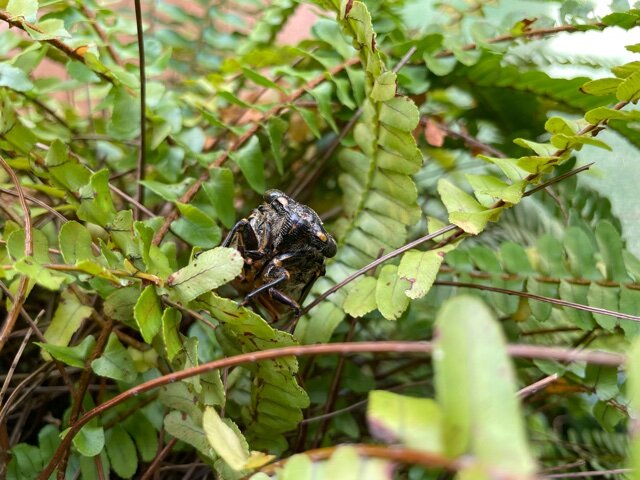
<point x="115" y="362"/>
<point x="90" y="439"/>
<point x="122" y="451"/>
<point x="75" y="242"/>
<point x="184" y="428"/>
<point x="475" y="387"/>
<point x="414" y="422"/>
<point x="224" y="439"/>
<point x="206" y="272"/>
<point x="602" y="86"/>
<point x="73" y="356"/>
<point x="23" y="8"/>
<point x="170" y="333"/>
<point x="148" y="313"/>
<point x="464" y="210"/>
<point x="196" y="227"/>
<point x="220" y="191"/>
<point x="66" y="320"/>
<point x="251" y="162"/>
<point x="14" y="78"/>
<point x="629" y="89"/>
<point x="390" y="296"/>
<point x="420" y="270"/>
<point x="361" y="298"/>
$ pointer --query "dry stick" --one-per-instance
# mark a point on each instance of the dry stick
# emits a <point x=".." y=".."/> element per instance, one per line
<point x="593" y="473"/>
<point x="537" y="386"/>
<point x="388" y="347"/>
<point x="532" y="296"/>
<point x="74" y="54"/>
<point x="541" y="32"/>
<point x="38" y="202"/>
<point x="28" y="381"/>
<point x="155" y="464"/>
<point x="278" y="109"/>
<point x="21" y="294"/>
<point x="142" y="158"/>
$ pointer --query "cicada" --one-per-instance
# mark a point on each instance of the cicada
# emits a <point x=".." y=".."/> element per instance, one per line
<point x="284" y="245"/>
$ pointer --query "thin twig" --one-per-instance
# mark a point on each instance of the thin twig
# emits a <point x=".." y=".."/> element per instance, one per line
<point x="350" y="348"/>
<point x="537" y="386"/>
<point x="101" y="33"/>
<point x="593" y="473"/>
<point x="153" y="467"/>
<point x="140" y="168"/>
<point x="21" y="293"/>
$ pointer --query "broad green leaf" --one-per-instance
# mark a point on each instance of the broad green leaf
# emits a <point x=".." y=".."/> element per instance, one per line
<point x="602" y="86"/>
<point x="66" y="320"/>
<point x="420" y="270"/>
<point x="576" y="293"/>
<point x="121" y="451"/>
<point x="148" y="313"/>
<point x="75" y="242"/>
<point x="155" y="258"/>
<point x="562" y="141"/>
<point x="226" y="440"/>
<point x="611" y="248"/>
<point x="346" y="464"/>
<point x="48" y="29"/>
<point x="508" y="166"/>
<point x="608" y="416"/>
<point x="309" y="118"/>
<point x="259" y="79"/>
<point x="476" y="389"/>
<point x="361" y="298"/>
<point x="206" y="272"/>
<point x="251" y="162"/>
<point x="298" y="467"/>
<point x="14" y="78"/>
<point x="629" y="89"/>
<point x="196" y="227"/>
<point x="323" y="95"/>
<point x="496" y="188"/>
<point x="413" y="422"/>
<point x="41" y="275"/>
<point x="144" y="435"/>
<point x="115" y="362"/>
<point x="541" y="149"/>
<point x="125" y="119"/>
<point x="604" y="380"/>
<point x="183" y="428"/>
<point x="119" y="304"/>
<point x="170" y="332"/>
<point x="561" y="125"/>
<point x="400" y="112"/>
<point x="220" y="191"/>
<point x="384" y="87"/>
<point x="464" y="210"/>
<point x="73" y="356"/>
<point x="390" y="296"/>
<point x="276" y="128"/>
<point x="90" y="439"/>
<point x="23" y="8"/>
<point x="600" y="114"/>
<point x="630" y="303"/>
<point x="604" y="297"/>
<point x="514" y="258"/>
<point x="581" y="252"/>
<point x="16" y="243"/>
<point x="96" y="204"/>
<point x="168" y="192"/>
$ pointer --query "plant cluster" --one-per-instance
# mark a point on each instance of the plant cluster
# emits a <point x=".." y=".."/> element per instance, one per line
<point x="476" y="319"/>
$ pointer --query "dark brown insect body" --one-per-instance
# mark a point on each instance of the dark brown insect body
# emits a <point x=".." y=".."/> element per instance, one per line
<point x="284" y="245"/>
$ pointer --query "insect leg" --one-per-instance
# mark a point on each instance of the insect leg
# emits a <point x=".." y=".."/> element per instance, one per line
<point x="288" y="301"/>
<point x="266" y="287"/>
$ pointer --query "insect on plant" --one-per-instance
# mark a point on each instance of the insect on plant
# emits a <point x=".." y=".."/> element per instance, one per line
<point x="284" y="245"/>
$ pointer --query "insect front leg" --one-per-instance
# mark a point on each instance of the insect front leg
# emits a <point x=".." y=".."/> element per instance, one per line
<point x="250" y="245"/>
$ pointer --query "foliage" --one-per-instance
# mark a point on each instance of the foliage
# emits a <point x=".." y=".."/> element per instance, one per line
<point x="125" y="348"/>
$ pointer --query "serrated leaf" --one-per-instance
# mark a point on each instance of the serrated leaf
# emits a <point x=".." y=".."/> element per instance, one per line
<point x="361" y="298"/>
<point x="196" y="227"/>
<point x="144" y="435"/>
<point x="400" y="112"/>
<point x="119" y="304"/>
<point x="225" y="440"/>
<point x="206" y="272"/>
<point x="115" y="362"/>
<point x="121" y="451"/>
<point x="148" y="313"/>
<point x="475" y="387"/>
<point x="496" y="188"/>
<point x="66" y="320"/>
<point x="73" y="356"/>
<point x="251" y="162"/>
<point x="413" y="422"/>
<point x="390" y="293"/>
<point x="75" y="242"/>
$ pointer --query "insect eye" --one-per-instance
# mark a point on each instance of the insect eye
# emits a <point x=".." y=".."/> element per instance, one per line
<point x="271" y="195"/>
<point x="322" y="237"/>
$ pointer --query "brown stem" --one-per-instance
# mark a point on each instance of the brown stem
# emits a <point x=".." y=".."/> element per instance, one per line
<point x="142" y="158"/>
<point x="352" y="348"/>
